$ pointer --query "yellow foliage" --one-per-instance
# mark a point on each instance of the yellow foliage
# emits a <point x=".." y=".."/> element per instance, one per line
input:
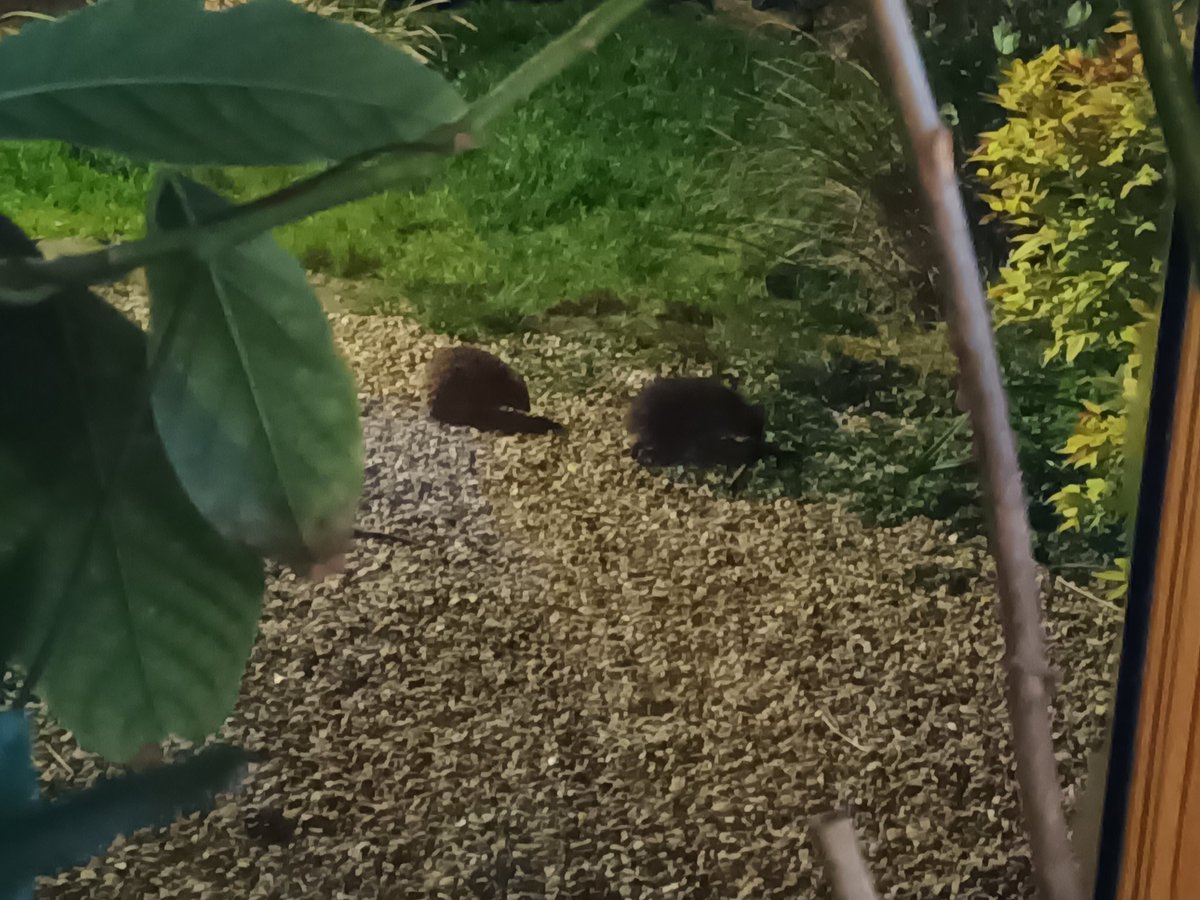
<point x="1117" y="577"/>
<point x="1077" y="173"/>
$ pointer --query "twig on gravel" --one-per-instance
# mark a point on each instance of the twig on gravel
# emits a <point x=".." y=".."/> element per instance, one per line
<point x="843" y="857"/>
<point x="61" y="762"/>
<point x="383" y="536"/>
<point x="1055" y="872"/>
<point x="1086" y="594"/>
<point x="831" y="723"/>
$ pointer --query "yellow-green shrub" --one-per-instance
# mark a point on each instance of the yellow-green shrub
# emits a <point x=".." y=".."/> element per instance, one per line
<point x="1077" y="173"/>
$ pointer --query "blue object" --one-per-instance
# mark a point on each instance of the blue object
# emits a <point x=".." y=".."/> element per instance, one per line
<point x="18" y="778"/>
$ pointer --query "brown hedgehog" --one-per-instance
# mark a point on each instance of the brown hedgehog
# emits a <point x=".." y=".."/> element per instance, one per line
<point x="695" y="422"/>
<point x="469" y="386"/>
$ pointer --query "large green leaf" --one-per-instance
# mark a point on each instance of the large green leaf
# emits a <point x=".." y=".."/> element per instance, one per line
<point x="149" y="612"/>
<point x="258" y="412"/>
<point x="46" y="838"/>
<point x="262" y="83"/>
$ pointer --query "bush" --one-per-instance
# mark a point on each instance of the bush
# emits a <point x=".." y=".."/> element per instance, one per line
<point x="1077" y="173"/>
<point x="966" y="45"/>
<point x="824" y="139"/>
<point x="875" y="420"/>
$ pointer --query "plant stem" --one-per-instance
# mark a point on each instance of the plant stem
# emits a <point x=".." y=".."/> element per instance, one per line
<point x="582" y="38"/>
<point x="1027" y="671"/>
<point x="63" y="602"/>
<point x="1171" y="85"/>
<point x="344" y="183"/>
<point x="35" y="280"/>
<point x="954" y="429"/>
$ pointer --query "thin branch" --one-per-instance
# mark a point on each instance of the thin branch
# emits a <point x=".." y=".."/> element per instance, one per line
<point x="1055" y="872"/>
<point x="1086" y="594"/>
<point x="843" y="858"/>
<point x="832" y="725"/>
<point x="54" y="754"/>
<point x="34" y="280"/>
<point x="553" y="58"/>
<point x="1174" y="100"/>
<point x="383" y="536"/>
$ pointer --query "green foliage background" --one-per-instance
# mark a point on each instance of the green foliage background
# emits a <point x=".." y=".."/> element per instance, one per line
<point x="1078" y="174"/>
<point x="648" y="193"/>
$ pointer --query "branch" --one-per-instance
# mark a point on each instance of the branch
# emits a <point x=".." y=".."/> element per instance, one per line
<point x="1174" y="100"/>
<point x="582" y="38"/>
<point x="1055" y="872"/>
<point x="843" y="858"/>
<point x="34" y="280"/>
<point x="30" y="280"/>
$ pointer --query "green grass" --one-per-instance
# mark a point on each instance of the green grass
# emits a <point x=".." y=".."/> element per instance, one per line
<point x="641" y="178"/>
<point x="52" y="195"/>
<point x="605" y="180"/>
<point x="637" y="172"/>
<point x="611" y="178"/>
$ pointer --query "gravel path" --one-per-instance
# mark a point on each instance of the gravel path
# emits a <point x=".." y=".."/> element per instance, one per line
<point x="576" y="679"/>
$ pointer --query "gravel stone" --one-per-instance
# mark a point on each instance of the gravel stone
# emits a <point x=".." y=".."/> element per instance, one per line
<point x="576" y="678"/>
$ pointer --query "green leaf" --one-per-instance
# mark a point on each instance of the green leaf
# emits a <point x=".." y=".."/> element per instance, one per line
<point x="258" y="412"/>
<point x="139" y="615"/>
<point x="261" y="83"/>
<point x="46" y="838"/>
<point x="1077" y="13"/>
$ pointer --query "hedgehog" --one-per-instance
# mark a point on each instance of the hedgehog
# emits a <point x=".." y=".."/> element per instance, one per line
<point x="469" y="386"/>
<point x="695" y="422"/>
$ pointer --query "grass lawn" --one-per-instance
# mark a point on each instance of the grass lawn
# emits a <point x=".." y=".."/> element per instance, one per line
<point x="646" y="192"/>
<point x="613" y="178"/>
<point x="629" y="175"/>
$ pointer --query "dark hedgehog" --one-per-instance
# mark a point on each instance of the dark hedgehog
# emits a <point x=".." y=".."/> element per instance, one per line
<point x="469" y="386"/>
<point x="695" y="422"/>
